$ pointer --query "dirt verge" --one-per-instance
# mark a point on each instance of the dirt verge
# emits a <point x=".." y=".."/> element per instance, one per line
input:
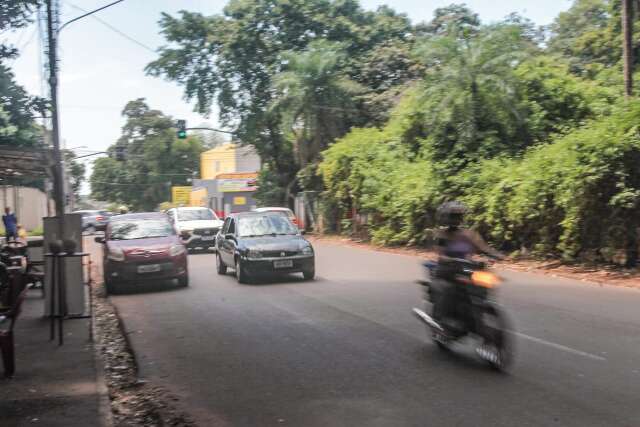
<point x="599" y="274"/>
<point x="133" y="402"/>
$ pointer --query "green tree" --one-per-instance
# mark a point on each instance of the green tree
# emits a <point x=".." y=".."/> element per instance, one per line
<point x="14" y="14"/>
<point x="232" y="59"/>
<point x="468" y="105"/>
<point x="17" y="112"/>
<point x="155" y="160"/>
<point x="314" y="99"/>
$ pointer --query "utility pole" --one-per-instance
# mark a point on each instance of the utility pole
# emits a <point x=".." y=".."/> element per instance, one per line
<point x="58" y="184"/>
<point x="627" y="46"/>
<point x="53" y="31"/>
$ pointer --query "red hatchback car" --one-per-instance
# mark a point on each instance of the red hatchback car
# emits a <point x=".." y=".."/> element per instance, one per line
<point x="140" y="247"/>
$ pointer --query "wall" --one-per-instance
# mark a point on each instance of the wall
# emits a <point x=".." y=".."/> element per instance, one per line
<point x="219" y="160"/>
<point x="247" y="160"/>
<point x="199" y="197"/>
<point x="29" y="205"/>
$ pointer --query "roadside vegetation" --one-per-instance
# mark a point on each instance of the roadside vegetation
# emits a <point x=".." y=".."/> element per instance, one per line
<point x="383" y="119"/>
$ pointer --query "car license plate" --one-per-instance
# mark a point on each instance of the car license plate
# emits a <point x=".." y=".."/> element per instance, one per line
<point x="149" y="268"/>
<point x="285" y="263"/>
<point x="207" y="238"/>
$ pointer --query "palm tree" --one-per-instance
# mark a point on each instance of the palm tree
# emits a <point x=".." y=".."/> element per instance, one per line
<point x="467" y="74"/>
<point x="314" y="99"/>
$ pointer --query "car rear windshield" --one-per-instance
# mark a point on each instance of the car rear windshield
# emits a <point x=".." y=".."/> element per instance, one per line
<point x="196" y="215"/>
<point x="265" y="225"/>
<point x="140" y="229"/>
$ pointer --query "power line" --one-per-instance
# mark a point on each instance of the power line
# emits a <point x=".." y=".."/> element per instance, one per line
<point x="116" y="30"/>
<point x="28" y="42"/>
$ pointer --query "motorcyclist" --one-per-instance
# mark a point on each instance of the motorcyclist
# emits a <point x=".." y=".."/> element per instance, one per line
<point x="453" y="241"/>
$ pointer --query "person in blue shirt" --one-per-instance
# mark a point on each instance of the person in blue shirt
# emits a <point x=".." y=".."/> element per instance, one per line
<point x="10" y="224"/>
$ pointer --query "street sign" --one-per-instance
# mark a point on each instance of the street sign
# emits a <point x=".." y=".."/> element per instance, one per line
<point x="234" y="185"/>
<point x="181" y="195"/>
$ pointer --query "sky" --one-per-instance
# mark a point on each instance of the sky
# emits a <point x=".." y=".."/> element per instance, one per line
<point x="101" y="70"/>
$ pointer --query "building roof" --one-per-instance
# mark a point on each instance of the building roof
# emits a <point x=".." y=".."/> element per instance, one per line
<point x="23" y="161"/>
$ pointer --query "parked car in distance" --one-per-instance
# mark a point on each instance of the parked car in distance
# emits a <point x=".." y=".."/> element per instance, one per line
<point x="140" y="247"/>
<point x="256" y="243"/>
<point x="197" y="226"/>
<point x="283" y="211"/>
<point x="94" y="220"/>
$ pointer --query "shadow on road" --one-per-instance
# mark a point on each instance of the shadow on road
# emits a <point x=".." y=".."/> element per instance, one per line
<point x="277" y="279"/>
<point x="149" y="287"/>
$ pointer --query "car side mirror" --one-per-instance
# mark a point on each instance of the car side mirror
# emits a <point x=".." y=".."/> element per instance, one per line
<point x="99" y="239"/>
<point x="230" y="236"/>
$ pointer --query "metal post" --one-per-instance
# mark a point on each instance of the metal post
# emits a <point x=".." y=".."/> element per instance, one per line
<point x="58" y="184"/>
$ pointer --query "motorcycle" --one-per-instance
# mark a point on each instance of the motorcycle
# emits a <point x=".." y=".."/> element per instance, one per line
<point x="474" y="314"/>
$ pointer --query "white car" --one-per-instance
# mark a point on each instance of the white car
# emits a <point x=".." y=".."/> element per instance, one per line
<point x="197" y="226"/>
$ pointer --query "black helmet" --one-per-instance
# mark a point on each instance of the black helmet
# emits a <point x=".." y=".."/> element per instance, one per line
<point x="451" y="214"/>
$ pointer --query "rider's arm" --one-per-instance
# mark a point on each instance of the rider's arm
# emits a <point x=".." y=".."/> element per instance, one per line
<point x="481" y="246"/>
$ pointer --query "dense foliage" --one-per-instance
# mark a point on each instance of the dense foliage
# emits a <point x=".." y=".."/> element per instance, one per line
<point x="154" y="161"/>
<point x="527" y="125"/>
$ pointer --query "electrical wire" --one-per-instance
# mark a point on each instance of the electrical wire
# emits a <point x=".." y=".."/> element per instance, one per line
<point x="116" y="30"/>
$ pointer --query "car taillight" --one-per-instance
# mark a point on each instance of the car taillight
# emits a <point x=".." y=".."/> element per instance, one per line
<point x="99" y="218"/>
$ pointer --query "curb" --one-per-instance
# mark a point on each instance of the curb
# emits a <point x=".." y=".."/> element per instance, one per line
<point x="104" y="401"/>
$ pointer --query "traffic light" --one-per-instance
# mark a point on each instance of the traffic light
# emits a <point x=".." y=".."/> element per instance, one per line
<point x="121" y="153"/>
<point x="182" y="129"/>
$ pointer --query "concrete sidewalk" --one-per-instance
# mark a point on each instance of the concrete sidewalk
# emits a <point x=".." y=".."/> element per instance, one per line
<point x="53" y="386"/>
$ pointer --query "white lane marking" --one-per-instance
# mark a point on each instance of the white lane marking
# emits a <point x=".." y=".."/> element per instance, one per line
<point x="559" y="346"/>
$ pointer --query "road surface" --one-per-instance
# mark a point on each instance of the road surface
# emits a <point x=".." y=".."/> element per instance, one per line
<point x="345" y="350"/>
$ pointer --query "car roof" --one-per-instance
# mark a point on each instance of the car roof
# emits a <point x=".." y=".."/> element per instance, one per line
<point x="244" y="214"/>
<point x="138" y="216"/>
<point x="273" y="209"/>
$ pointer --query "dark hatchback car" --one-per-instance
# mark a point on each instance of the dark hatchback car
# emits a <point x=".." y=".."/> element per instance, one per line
<point x="141" y="247"/>
<point x="256" y="243"/>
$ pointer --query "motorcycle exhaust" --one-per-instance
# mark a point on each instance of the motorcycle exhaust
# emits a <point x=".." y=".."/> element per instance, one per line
<point x="427" y="319"/>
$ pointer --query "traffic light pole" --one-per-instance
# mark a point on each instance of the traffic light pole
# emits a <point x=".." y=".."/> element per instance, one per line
<point x="212" y="129"/>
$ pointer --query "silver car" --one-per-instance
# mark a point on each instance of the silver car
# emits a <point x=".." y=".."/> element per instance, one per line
<point x="94" y="220"/>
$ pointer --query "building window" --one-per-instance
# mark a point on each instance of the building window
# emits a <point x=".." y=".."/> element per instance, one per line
<point x="217" y="165"/>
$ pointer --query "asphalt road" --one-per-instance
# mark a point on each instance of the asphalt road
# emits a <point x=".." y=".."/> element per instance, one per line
<point x="345" y="350"/>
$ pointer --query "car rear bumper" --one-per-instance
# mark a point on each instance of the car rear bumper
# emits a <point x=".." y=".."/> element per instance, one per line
<point x="128" y="271"/>
<point x="266" y="266"/>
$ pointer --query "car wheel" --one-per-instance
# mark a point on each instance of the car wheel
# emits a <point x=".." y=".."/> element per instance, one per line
<point x="220" y="267"/>
<point x="241" y="273"/>
<point x="309" y="274"/>
<point x="183" y="281"/>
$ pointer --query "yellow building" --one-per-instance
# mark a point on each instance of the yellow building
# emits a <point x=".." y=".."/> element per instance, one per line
<point x="198" y="197"/>
<point x="228" y="158"/>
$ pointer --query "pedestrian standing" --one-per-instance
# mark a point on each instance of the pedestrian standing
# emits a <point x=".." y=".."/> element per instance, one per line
<point x="10" y="224"/>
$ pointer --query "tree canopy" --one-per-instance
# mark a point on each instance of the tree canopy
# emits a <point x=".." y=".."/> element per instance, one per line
<point x="154" y="161"/>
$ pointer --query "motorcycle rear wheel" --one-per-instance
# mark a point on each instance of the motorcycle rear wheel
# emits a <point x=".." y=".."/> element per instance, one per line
<point x="497" y="348"/>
